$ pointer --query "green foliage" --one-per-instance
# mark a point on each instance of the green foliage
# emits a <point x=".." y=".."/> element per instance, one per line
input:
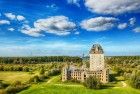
<point x="34" y="60"/>
<point x="42" y="71"/>
<point x="34" y="79"/>
<point x="3" y="85"/>
<point x="15" y="87"/>
<point x="112" y="77"/>
<point x="135" y="80"/>
<point x="54" y="72"/>
<point x="119" y="71"/>
<point x="75" y="81"/>
<point x="92" y="83"/>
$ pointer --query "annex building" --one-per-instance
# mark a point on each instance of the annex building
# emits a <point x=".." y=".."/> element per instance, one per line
<point x="97" y="67"/>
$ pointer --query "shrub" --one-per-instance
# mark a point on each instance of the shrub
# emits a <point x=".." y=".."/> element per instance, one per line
<point x="135" y="80"/>
<point x="54" y="72"/>
<point x="34" y="79"/>
<point x="15" y="87"/>
<point x="75" y="81"/>
<point x="3" y="85"/>
<point x="112" y="77"/>
<point x="42" y="71"/>
<point x="92" y="83"/>
<point x="26" y="69"/>
<point x="41" y="77"/>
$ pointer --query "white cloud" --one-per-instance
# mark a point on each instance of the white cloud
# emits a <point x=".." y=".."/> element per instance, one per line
<point x="132" y="21"/>
<point x="26" y="29"/>
<point x="122" y="26"/>
<point x="137" y="30"/>
<point x="11" y="16"/>
<point x="113" y="6"/>
<point x="11" y="29"/>
<point x="99" y="23"/>
<point x="58" y="25"/>
<point x="75" y="2"/>
<point x="77" y="33"/>
<point x="20" y="18"/>
<point x="4" y="22"/>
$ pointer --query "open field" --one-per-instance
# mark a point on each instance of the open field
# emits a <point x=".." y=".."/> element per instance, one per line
<point x="10" y="77"/>
<point x="52" y="87"/>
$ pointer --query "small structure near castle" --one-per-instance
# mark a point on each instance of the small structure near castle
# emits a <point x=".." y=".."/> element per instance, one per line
<point x="97" y="67"/>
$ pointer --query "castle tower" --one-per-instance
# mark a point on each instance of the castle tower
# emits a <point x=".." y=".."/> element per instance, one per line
<point x="96" y="58"/>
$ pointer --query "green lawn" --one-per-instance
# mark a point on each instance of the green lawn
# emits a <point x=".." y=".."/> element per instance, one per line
<point x="55" y="89"/>
<point x="10" y="77"/>
<point x="61" y="88"/>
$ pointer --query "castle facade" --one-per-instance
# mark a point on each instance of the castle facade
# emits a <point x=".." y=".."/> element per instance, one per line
<point x="97" y="67"/>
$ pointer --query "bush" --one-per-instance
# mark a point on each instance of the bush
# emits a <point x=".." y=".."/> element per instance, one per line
<point x="112" y="78"/>
<point x="42" y="71"/>
<point x="41" y="77"/>
<point x="92" y="83"/>
<point x="34" y="79"/>
<point x="3" y="85"/>
<point x="26" y="69"/>
<point x="15" y="87"/>
<point x="75" y="81"/>
<point x="54" y="72"/>
<point x="135" y="80"/>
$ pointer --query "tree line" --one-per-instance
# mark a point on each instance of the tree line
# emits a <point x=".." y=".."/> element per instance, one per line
<point x="37" y="60"/>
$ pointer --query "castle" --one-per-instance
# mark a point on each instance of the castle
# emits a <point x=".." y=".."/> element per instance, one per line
<point x="97" y="67"/>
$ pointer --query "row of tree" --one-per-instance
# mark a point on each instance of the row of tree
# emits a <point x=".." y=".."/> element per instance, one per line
<point x="122" y="59"/>
<point x="43" y="59"/>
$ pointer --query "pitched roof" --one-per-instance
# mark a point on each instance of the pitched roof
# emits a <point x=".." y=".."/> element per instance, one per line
<point x="96" y="49"/>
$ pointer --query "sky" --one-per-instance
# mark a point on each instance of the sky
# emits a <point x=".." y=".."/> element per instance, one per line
<point x="69" y="27"/>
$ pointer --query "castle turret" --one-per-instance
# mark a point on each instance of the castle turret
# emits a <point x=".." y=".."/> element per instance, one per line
<point x="96" y="58"/>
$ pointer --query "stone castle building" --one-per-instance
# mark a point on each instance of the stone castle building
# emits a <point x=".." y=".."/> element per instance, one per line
<point x="97" y="67"/>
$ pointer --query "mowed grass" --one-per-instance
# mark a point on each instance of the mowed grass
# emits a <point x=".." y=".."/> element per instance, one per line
<point x="10" y="77"/>
<point x="54" y="87"/>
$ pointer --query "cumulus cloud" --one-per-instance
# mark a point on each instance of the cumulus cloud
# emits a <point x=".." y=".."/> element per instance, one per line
<point x="122" y="26"/>
<point x="11" y="16"/>
<point x="20" y="18"/>
<point x="58" y="25"/>
<point x="132" y="21"/>
<point x="4" y="22"/>
<point x="113" y="6"/>
<point x="137" y="30"/>
<point x="11" y="29"/>
<point x="99" y="23"/>
<point x="26" y="29"/>
<point x="74" y="2"/>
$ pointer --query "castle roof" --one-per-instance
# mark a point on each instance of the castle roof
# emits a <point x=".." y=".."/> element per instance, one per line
<point x="96" y="49"/>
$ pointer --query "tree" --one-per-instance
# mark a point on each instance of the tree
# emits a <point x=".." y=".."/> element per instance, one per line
<point x="92" y="83"/>
<point x="135" y="80"/>
<point x="42" y="71"/>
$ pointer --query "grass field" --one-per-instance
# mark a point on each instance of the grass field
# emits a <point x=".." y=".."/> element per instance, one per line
<point x="53" y="87"/>
<point x="10" y="77"/>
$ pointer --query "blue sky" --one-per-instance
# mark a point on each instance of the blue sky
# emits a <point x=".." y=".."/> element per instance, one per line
<point x="69" y="27"/>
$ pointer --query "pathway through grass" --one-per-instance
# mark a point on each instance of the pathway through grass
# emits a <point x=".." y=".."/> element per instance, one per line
<point x="54" y="87"/>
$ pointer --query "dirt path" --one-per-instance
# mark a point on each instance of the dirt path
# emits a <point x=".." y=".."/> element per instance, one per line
<point x="51" y="79"/>
<point x="123" y="84"/>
